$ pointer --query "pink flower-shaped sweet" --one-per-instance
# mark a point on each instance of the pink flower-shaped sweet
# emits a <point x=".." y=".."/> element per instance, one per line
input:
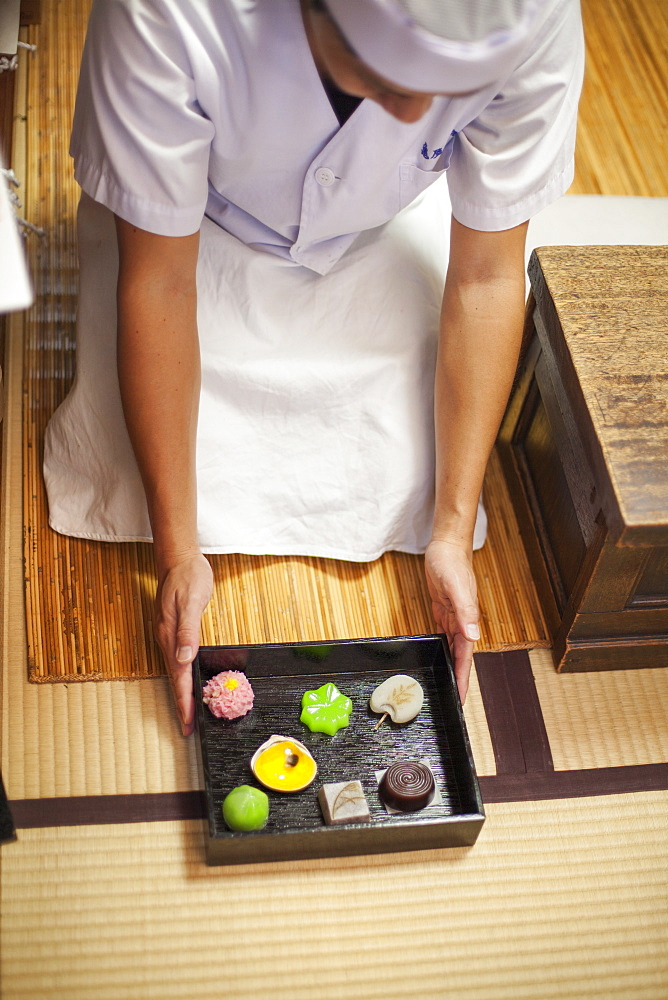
<point x="228" y="695"/>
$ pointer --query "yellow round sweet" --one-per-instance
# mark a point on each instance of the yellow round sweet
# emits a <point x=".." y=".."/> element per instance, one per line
<point x="285" y="766"/>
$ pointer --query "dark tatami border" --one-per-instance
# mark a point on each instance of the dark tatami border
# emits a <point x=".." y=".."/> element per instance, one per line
<point x="532" y="787"/>
<point x="99" y="810"/>
<point x="514" y="716"/>
<point x="525" y="771"/>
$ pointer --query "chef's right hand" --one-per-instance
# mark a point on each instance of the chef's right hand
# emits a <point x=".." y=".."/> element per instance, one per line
<point x="184" y="590"/>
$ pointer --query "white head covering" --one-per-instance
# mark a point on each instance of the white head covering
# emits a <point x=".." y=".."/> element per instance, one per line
<point x="437" y="46"/>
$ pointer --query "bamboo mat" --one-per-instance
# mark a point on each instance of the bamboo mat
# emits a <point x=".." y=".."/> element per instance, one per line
<point x="89" y="605"/>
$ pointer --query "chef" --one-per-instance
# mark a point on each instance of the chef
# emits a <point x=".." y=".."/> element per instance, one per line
<point x="301" y="239"/>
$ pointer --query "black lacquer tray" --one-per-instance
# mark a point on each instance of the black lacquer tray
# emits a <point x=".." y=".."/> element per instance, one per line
<point x="296" y="829"/>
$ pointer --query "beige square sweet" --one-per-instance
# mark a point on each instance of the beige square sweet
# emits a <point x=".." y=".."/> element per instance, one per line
<point x="344" y="802"/>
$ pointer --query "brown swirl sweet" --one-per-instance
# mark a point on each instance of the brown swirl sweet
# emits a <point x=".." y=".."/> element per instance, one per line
<point x="407" y="785"/>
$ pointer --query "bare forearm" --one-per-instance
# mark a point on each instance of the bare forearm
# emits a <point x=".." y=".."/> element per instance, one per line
<point x="476" y="364"/>
<point x="159" y="374"/>
<point x="482" y="322"/>
<point x="481" y="329"/>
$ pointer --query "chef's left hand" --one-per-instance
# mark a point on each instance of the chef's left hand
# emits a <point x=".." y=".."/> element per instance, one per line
<point x="454" y="602"/>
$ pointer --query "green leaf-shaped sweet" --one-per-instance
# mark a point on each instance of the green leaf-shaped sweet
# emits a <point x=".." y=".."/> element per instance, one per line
<point x="325" y="710"/>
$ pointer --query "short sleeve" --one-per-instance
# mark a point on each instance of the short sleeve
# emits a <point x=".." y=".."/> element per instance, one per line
<point x="140" y="142"/>
<point x="516" y="157"/>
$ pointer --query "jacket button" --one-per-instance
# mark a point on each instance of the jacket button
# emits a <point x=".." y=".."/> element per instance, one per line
<point x="324" y="176"/>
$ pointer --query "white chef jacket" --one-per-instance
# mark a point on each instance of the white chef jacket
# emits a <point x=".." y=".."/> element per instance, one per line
<point x="315" y="431"/>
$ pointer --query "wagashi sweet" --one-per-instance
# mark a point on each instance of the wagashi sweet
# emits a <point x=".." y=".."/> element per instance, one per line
<point x="283" y="764"/>
<point x="400" y="696"/>
<point x="229" y="694"/>
<point x="407" y="785"/>
<point x="344" y="802"/>
<point x="246" y="808"/>
<point x="325" y="710"/>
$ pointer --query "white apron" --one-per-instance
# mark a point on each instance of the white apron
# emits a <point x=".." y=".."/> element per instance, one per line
<point x="316" y="428"/>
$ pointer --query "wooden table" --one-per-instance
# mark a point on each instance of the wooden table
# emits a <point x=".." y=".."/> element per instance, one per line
<point x="584" y="446"/>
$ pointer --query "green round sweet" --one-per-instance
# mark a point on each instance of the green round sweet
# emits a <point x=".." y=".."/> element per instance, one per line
<point x="246" y="808"/>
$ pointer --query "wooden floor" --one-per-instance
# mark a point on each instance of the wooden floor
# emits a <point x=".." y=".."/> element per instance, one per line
<point x="622" y="146"/>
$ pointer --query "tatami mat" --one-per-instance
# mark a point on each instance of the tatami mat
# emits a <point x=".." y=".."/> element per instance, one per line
<point x="556" y="900"/>
<point x="603" y="718"/>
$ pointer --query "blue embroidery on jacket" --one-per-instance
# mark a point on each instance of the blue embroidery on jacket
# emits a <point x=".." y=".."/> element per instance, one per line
<point x="437" y="152"/>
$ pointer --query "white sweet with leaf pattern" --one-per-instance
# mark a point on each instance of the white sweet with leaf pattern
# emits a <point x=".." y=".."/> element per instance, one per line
<point x="400" y="696"/>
